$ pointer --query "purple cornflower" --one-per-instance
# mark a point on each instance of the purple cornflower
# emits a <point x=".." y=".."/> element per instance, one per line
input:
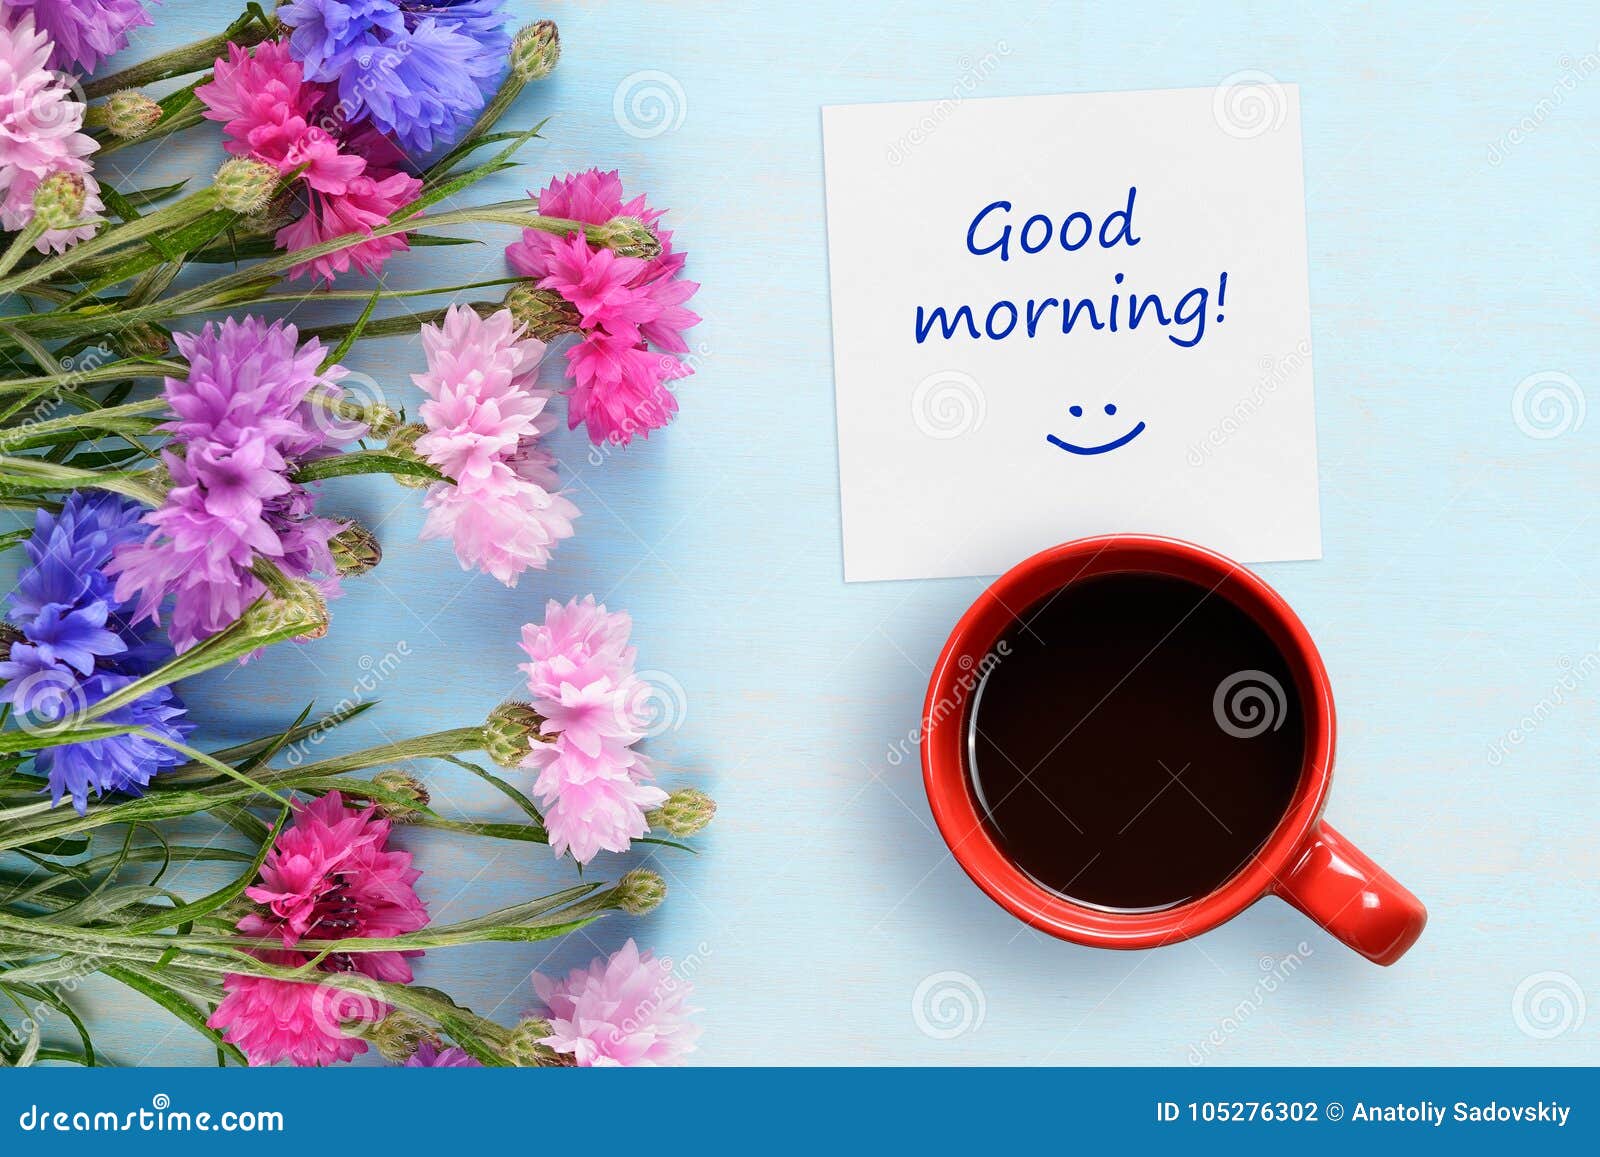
<point x="84" y="32"/>
<point x="419" y="70"/>
<point x="78" y="647"/>
<point x="431" y="1056"/>
<point x="251" y="411"/>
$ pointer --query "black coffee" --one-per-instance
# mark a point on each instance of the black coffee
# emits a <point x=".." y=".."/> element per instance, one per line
<point x="1135" y="742"/>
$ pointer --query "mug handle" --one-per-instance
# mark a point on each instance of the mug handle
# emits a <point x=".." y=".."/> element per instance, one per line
<point x="1331" y="881"/>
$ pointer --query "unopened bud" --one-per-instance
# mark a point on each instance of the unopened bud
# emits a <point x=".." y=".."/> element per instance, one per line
<point x="408" y="787"/>
<point x="542" y="313"/>
<point x="626" y="237"/>
<point x="245" y="186"/>
<point x="8" y="636"/>
<point x="130" y="115"/>
<point x="535" y="50"/>
<point x="301" y="608"/>
<point x="686" y="812"/>
<point x="640" y="892"/>
<point x="142" y="339"/>
<point x="58" y="200"/>
<point x="511" y="732"/>
<point x="397" y="1036"/>
<point x="403" y="444"/>
<point x="355" y="550"/>
<point x="526" y="1048"/>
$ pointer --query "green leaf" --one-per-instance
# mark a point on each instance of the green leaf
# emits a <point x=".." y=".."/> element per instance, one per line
<point x="185" y="913"/>
<point x="366" y="462"/>
<point x="141" y="980"/>
<point x="336" y="355"/>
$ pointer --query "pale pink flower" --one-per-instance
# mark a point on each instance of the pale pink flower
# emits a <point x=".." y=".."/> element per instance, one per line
<point x="591" y="783"/>
<point x="592" y="801"/>
<point x="40" y="123"/>
<point x="630" y="1009"/>
<point x="484" y="416"/>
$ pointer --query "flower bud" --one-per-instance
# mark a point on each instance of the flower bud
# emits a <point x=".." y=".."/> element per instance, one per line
<point x="397" y="1036"/>
<point x="130" y="115"/>
<point x="301" y="608"/>
<point x="525" y="1048"/>
<point x="686" y="812"/>
<point x="535" y="50"/>
<point x="355" y="550"/>
<point x="142" y="339"/>
<point x="8" y="636"/>
<point x="627" y="237"/>
<point x="400" y="783"/>
<point x="542" y="313"/>
<point x="58" y="200"/>
<point x="640" y="892"/>
<point x="245" y="186"/>
<point x="403" y="444"/>
<point x="511" y="732"/>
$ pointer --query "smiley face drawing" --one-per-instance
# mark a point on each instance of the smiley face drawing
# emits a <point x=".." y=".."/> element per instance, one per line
<point x="1100" y="448"/>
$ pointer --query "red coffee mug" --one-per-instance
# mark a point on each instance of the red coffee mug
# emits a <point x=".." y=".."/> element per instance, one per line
<point x="1304" y="860"/>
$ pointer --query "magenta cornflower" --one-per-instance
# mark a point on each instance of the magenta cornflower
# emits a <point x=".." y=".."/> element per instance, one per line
<point x="40" y="123"/>
<point x="632" y="311"/>
<point x="351" y="181"/>
<point x="629" y="1009"/>
<point x="591" y="784"/>
<point x="485" y="417"/>
<point x="329" y="876"/>
<point x="251" y="410"/>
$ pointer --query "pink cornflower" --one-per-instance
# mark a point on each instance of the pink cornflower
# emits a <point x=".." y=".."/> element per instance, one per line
<point x="289" y="1020"/>
<point x="591" y="784"/>
<point x="329" y="876"/>
<point x="630" y="1009"/>
<point x="625" y="305"/>
<point x="484" y="416"/>
<point x="247" y="414"/>
<point x="40" y="135"/>
<point x="351" y="181"/>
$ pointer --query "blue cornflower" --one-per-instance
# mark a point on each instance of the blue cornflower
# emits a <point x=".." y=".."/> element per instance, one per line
<point x="78" y="646"/>
<point x="419" y="70"/>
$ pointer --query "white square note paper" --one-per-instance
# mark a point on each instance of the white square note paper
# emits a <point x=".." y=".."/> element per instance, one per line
<point x="1070" y="315"/>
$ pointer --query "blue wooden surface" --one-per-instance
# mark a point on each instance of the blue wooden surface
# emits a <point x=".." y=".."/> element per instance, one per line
<point x="1457" y="594"/>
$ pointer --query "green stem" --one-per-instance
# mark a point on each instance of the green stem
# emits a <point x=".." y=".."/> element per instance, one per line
<point x="245" y="32"/>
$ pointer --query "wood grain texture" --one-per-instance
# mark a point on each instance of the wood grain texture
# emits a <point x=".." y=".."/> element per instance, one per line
<point x="1457" y="592"/>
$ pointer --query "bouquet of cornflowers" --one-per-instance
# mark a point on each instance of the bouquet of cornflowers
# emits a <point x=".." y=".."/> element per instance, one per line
<point x="164" y="433"/>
